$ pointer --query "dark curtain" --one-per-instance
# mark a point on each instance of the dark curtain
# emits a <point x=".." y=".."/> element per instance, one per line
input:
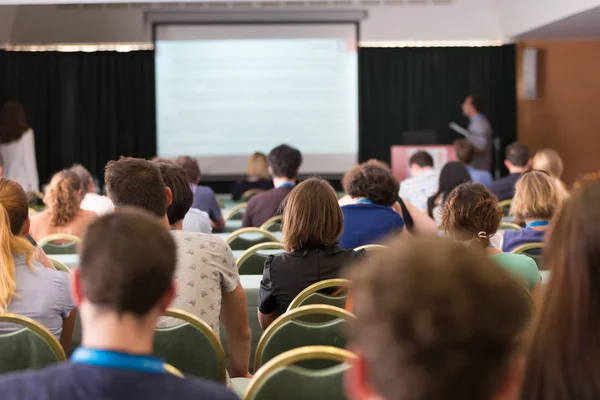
<point x="411" y="89"/>
<point x="83" y="107"/>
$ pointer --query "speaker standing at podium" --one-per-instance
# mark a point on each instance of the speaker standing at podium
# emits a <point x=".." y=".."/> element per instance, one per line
<point x="479" y="132"/>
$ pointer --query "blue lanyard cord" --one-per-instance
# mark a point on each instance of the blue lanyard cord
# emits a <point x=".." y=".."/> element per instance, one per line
<point x="285" y="184"/>
<point x="537" y="223"/>
<point x="364" y="201"/>
<point x="112" y="359"/>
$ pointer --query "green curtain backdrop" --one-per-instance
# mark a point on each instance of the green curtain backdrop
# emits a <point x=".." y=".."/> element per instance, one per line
<point x="404" y="89"/>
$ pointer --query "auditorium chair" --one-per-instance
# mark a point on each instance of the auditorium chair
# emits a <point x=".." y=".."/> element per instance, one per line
<point x="314" y="294"/>
<point x="252" y="262"/>
<point x="244" y="238"/>
<point x="273" y="224"/>
<point x="60" y="243"/>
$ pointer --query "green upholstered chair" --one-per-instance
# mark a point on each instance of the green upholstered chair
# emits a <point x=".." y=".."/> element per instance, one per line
<point x="509" y="226"/>
<point x="250" y="193"/>
<point x="252" y="262"/>
<point x="59" y="266"/>
<point x="371" y="247"/>
<point x="59" y="244"/>
<point x="192" y="347"/>
<point x="313" y="294"/>
<point x="283" y="378"/>
<point x="31" y="347"/>
<point x="290" y="331"/>
<point x="273" y="224"/>
<point x="244" y="238"/>
<point x="526" y="249"/>
<point x="237" y="212"/>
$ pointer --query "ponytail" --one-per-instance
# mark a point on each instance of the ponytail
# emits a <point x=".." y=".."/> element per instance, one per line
<point x="62" y="198"/>
<point x="9" y="246"/>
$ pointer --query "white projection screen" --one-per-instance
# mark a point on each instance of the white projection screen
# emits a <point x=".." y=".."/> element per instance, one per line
<point x="225" y="91"/>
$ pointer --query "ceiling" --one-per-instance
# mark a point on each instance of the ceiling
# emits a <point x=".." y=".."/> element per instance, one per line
<point x="585" y="25"/>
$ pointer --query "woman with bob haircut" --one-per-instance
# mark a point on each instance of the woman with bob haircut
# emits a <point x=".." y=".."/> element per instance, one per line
<point x="312" y="225"/>
<point x="563" y="357"/>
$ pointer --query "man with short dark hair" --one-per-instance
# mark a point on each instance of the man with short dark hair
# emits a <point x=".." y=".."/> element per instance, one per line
<point x="435" y="320"/>
<point x="423" y="182"/>
<point x="517" y="161"/>
<point x="204" y="197"/>
<point x="208" y="281"/>
<point x="91" y="200"/>
<point x="124" y="282"/>
<point x="465" y="152"/>
<point x="284" y="163"/>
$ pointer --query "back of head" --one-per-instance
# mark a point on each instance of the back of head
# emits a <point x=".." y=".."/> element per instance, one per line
<point x="374" y="182"/>
<point x="176" y="179"/>
<point x="191" y="167"/>
<point x="537" y="196"/>
<point x="465" y="152"/>
<point x="517" y="154"/>
<point x="135" y="182"/>
<point x="452" y="174"/>
<point x="311" y="216"/>
<point x="63" y="197"/>
<point x="13" y="214"/>
<point x="548" y="160"/>
<point x="127" y="262"/>
<point x="284" y="161"/>
<point x="564" y="355"/>
<point x="84" y="176"/>
<point x="436" y="320"/>
<point x="471" y="214"/>
<point x="478" y="102"/>
<point x="258" y="167"/>
<point x="13" y="122"/>
<point x="422" y="159"/>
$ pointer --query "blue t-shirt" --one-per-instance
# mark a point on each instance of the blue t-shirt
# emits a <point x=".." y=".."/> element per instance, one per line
<point x="480" y="176"/>
<point x="69" y="381"/>
<point x="366" y="223"/>
<point x="205" y="200"/>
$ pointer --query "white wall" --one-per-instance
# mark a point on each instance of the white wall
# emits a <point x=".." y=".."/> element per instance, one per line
<point x="7" y="17"/>
<point x="462" y="20"/>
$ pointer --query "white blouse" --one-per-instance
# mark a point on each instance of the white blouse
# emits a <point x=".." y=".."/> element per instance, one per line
<point x="19" y="161"/>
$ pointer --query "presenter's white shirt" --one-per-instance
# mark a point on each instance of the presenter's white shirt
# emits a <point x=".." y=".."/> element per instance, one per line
<point x="19" y="162"/>
<point x="96" y="203"/>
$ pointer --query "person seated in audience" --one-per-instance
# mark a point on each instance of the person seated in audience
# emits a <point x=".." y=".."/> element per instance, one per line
<point x="29" y="288"/>
<point x="423" y="181"/>
<point x="204" y="197"/>
<point x="284" y="163"/>
<point x="472" y="215"/>
<point x="435" y="320"/>
<point x="550" y="161"/>
<point x="180" y="214"/>
<point x="63" y="213"/>
<point x="536" y="199"/>
<point x="123" y="284"/>
<point x="91" y="201"/>
<point x="371" y="218"/>
<point x="453" y="174"/>
<point x="563" y="355"/>
<point x="258" y="176"/>
<point x="465" y="152"/>
<point x="207" y="276"/>
<point x="517" y="161"/>
<point x="312" y="225"/>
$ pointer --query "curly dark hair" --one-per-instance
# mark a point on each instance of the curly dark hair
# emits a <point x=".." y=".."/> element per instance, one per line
<point x="373" y="182"/>
<point x="285" y="161"/>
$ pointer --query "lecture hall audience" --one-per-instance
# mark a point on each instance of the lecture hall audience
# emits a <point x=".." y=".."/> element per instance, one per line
<point x="517" y="161"/>
<point x="257" y="176"/>
<point x="26" y="287"/>
<point x="312" y="225"/>
<point x="465" y="152"/>
<point x="423" y="181"/>
<point x="91" y="201"/>
<point x="564" y="353"/>
<point x="550" y="161"/>
<point x="371" y="218"/>
<point x="123" y="284"/>
<point x="208" y="281"/>
<point x="284" y="164"/>
<point x="435" y="320"/>
<point x="63" y="213"/>
<point x="453" y="174"/>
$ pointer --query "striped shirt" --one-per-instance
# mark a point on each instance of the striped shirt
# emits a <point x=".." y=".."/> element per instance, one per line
<point x="418" y="189"/>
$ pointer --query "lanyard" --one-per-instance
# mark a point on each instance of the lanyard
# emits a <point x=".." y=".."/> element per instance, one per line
<point x="537" y="223"/>
<point x="364" y="201"/>
<point x="285" y="184"/>
<point x="113" y="359"/>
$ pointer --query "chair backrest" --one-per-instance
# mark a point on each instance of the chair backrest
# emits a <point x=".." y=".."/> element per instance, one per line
<point x="32" y="211"/>
<point x="311" y="294"/>
<point x="59" y="266"/>
<point x="273" y="224"/>
<point x="32" y="347"/>
<point x="371" y="247"/>
<point x="526" y="250"/>
<point x="67" y="244"/>
<point x="505" y="205"/>
<point x="244" y="238"/>
<point x="248" y="194"/>
<point x="290" y="331"/>
<point x="280" y="378"/>
<point x="252" y="262"/>
<point x="192" y="347"/>
<point x="509" y="226"/>
<point x="237" y="212"/>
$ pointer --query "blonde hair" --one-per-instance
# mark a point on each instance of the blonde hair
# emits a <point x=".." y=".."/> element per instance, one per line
<point x="537" y="196"/>
<point x="548" y="160"/>
<point x="258" y="166"/>
<point x="311" y="216"/>
<point x="63" y="197"/>
<point x="13" y="214"/>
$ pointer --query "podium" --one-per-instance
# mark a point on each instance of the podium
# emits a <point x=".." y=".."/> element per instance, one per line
<point x="401" y="154"/>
